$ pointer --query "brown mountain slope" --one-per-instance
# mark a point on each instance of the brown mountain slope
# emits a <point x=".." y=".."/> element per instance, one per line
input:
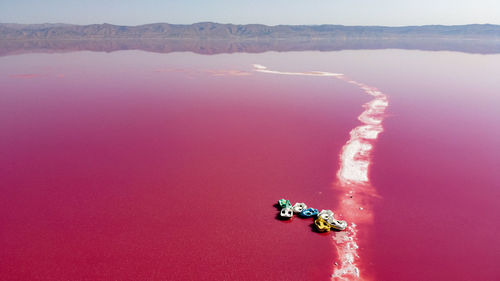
<point x="208" y="30"/>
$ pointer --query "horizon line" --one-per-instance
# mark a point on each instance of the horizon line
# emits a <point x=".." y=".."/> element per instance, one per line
<point x="213" y="22"/>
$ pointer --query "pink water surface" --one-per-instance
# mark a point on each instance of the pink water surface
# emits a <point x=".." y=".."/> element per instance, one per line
<point x="141" y="166"/>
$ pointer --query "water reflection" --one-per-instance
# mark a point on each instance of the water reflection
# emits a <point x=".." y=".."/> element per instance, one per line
<point x="9" y="47"/>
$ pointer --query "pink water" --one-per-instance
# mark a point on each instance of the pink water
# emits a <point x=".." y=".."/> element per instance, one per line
<point x="141" y="166"/>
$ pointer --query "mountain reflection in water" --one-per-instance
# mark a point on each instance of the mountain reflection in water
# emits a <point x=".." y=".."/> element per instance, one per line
<point x="208" y="47"/>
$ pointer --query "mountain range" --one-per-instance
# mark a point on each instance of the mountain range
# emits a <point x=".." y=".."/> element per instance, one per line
<point x="210" y="30"/>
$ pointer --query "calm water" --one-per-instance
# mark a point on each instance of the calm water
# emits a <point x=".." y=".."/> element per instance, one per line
<point x="141" y="166"/>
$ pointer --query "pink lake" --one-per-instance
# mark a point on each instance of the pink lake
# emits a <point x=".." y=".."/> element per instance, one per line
<point x="142" y="166"/>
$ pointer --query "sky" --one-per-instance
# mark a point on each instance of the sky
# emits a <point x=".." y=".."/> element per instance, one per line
<point x="270" y="12"/>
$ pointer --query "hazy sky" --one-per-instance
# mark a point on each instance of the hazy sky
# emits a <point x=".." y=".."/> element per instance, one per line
<point x="272" y="12"/>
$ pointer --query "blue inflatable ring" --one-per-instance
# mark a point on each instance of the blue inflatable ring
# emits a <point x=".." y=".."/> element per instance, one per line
<point x="307" y="213"/>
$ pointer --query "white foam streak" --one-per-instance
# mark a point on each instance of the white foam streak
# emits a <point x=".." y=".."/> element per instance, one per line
<point x="354" y="167"/>
<point x="355" y="160"/>
<point x="353" y="175"/>
<point x="263" y="69"/>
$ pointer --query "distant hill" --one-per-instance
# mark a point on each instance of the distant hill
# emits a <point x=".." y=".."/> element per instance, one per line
<point x="209" y="30"/>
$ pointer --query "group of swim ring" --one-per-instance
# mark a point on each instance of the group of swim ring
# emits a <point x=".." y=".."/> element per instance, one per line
<point x="325" y="220"/>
